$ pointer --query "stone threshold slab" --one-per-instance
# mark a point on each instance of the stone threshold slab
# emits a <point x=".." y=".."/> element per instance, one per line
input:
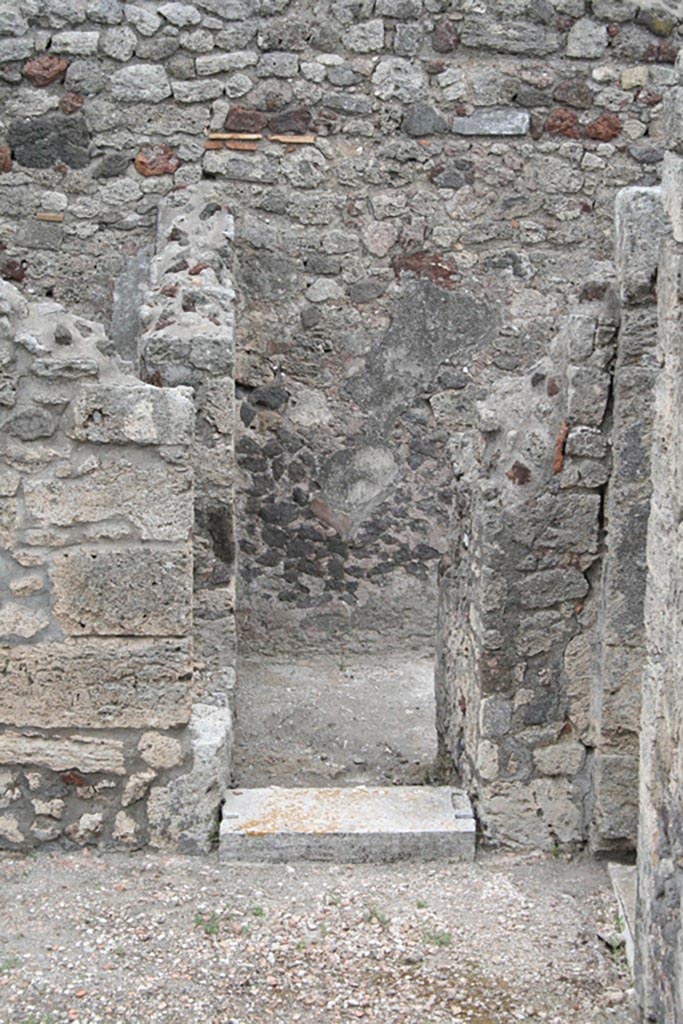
<point x="351" y="824"/>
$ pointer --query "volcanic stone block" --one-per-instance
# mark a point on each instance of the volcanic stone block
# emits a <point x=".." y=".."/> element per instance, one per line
<point x="97" y="683"/>
<point x="548" y="587"/>
<point x="130" y="592"/>
<point x="124" y="414"/>
<point x="155" y="500"/>
<point x="49" y="139"/>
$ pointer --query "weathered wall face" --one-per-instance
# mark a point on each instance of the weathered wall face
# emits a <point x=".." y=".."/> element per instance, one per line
<point x="616" y="690"/>
<point x="118" y="656"/>
<point x="659" y="963"/>
<point x="96" y="602"/>
<point x="187" y="338"/>
<point x="518" y="604"/>
<point x="420" y="189"/>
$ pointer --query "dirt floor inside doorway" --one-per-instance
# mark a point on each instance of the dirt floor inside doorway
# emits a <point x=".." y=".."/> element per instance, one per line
<point x="335" y="720"/>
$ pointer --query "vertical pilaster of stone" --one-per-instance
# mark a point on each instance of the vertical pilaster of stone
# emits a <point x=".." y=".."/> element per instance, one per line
<point x="659" y="926"/>
<point x="616" y="696"/>
<point x="188" y="338"/>
<point x="188" y="322"/>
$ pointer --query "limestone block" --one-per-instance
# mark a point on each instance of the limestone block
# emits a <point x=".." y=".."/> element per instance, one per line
<point x="639" y="231"/>
<point x="508" y="35"/>
<point x="137" y="786"/>
<point x="49" y="808"/>
<point x="87" y="754"/>
<point x="96" y="683"/>
<point x="487" y="760"/>
<point x="539" y="813"/>
<point x="9" y="482"/>
<point x="121" y="414"/>
<point x="672" y="192"/>
<point x="155" y="499"/>
<point x="580" y="663"/>
<point x="160" y="751"/>
<point x="8" y="522"/>
<point x="86" y="829"/>
<point x="18" y="620"/>
<point x="622" y="677"/>
<point x="125" y="828"/>
<point x="9" y="829"/>
<point x="9" y="791"/>
<point x="134" y="591"/>
<point x="184" y="812"/>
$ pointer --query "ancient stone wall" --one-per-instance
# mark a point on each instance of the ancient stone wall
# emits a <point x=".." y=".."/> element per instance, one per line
<point x="187" y="338"/>
<point x="519" y="603"/>
<point x="96" y="601"/>
<point x="422" y="189"/>
<point x="616" y="691"/>
<point x="659" y="941"/>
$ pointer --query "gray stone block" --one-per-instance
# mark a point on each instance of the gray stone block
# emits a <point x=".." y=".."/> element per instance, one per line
<point x="639" y="231"/>
<point x="492" y="122"/>
<point x="140" y="83"/>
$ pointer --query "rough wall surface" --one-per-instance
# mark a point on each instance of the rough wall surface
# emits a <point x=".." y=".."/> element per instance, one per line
<point x="616" y="690"/>
<point x="421" y="188"/>
<point x="518" y="616"/>
<point x="659" y="951"/>
<point x="187" y="338"/>
<point x="96" y="600"/>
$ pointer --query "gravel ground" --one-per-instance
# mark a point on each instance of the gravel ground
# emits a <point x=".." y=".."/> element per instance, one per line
<point x="321" y="720"/>
<point x="178" y="940"/>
